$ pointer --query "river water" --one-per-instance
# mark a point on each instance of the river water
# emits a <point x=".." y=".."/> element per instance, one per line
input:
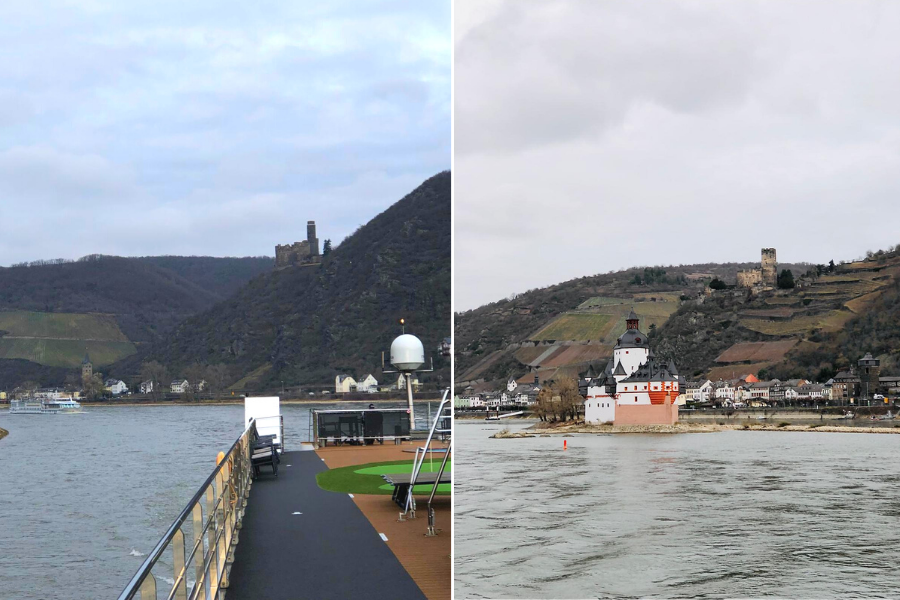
<point x="714" y="515"/>
<point x="84" y="497"/>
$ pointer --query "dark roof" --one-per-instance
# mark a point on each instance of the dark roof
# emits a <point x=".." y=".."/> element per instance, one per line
<point x="86" y="360"/>
<point x="652" y="371"/>
<point x="632" y="338"/>
<point x="672" y="368"/>
<point x="591" y="372"/>
<point x="846" y="376"/>
<point x="631" y="316"/>
<point x="620" y="370"/>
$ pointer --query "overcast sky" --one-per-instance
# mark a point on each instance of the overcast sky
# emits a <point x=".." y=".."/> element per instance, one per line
<point x="598" y="135"/>
<point x="214" y="128"/>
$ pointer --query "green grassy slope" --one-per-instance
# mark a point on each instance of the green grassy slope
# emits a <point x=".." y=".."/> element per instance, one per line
<point x="64" y="353"/>
<point x="21" y="323"/>
<point x="51" y="312"/>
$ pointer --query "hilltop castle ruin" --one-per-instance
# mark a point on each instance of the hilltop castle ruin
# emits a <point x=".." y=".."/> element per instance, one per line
<point x="764" y="277"/>
<point x="299" y="253"/>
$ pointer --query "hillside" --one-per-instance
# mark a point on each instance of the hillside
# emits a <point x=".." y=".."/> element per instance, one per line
<point x="221" y="276"/>
<point x="813" y="331"/>
<point x="51" y="313"/>
<point x="304" y="325"/>
<point x="561" y="329"/>
<point x="834" y="315"/>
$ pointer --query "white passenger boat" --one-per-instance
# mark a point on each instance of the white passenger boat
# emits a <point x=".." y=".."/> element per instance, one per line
<point x="63" y="406"/>
<point x="34" y="406"/>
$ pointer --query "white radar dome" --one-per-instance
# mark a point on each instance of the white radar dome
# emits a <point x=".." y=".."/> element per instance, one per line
<point x="407" y="353"/>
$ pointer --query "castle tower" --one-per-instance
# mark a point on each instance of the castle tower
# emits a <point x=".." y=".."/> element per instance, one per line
<point x="87" y="369"/>
<point x="869" y="372"/>
<point x="769" y="267"/>
<point x="632" y="348"/>
<point x="311" y="238"/>
<point x="631" y="322"/>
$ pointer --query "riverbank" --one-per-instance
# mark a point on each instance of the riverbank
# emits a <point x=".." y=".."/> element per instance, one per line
<point x="539" y="429"/>
<point x="240" y="402"/>
<point x="3" y="433"/>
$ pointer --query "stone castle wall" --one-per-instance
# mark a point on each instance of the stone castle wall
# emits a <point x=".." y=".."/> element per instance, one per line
<point x="299" y="253"/>
<point x="750" y="278"/>
<point x="765" y="276"/>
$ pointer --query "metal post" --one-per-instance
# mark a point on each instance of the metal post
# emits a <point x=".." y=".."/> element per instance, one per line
<point x="412" y="417"/>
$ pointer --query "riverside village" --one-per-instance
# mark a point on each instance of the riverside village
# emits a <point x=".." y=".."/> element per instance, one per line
<point x="155" y="382"/>
<point x="637" y="388"/>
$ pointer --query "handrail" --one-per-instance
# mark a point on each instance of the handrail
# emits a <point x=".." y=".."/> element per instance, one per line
<point x="225" y="491"/>
<point x="410" y="507"/>
<point x="434" y="488"/>
<point x="280" y="425"/>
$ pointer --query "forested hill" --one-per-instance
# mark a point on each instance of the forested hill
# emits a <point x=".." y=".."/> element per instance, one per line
<point x="304" y="325"/>
<point x="221" y="276"/>
<point x="148" y="296"/>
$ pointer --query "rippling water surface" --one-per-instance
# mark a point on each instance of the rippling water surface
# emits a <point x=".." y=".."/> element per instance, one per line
<point x="84" y="497"/>
<point x="730" y="514"/>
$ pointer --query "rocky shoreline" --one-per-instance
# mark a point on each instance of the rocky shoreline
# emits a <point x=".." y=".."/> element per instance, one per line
<point x="543" y="429"/>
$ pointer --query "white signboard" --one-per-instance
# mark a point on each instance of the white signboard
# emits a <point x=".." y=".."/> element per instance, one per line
<point x="267" y="412"/>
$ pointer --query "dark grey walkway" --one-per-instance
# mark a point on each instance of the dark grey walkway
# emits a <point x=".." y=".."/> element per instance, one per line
<point x="329" y="551"/>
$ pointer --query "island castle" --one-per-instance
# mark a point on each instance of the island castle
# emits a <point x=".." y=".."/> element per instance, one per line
<point x="764" y="277"/>
<point x="299" y="253"/>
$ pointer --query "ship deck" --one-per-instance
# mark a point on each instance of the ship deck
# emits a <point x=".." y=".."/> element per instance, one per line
<point x="335" y="546"/>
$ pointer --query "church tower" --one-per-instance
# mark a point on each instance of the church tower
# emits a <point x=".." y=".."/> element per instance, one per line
<point x="87" y="369"/>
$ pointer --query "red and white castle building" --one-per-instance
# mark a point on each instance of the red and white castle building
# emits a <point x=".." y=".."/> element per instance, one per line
<point x="635" y="388"/>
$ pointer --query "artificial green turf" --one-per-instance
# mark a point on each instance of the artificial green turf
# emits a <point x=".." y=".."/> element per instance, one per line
<point x="427" y="467"/>
<point x="351" y="481"/>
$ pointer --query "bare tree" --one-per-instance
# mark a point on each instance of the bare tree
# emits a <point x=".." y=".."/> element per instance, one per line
<point x="93" y="387"/>
<point x="569" y="398"/>
<point x="543" y="405"/>
<point x="157" y="374"/>
<point x="195" y="374"/>
<point x="30" y="387"/>
<point x="217" y="377"/>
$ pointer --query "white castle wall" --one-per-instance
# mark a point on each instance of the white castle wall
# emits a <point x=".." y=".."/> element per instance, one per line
<point x="631" y="358"/>
<point x="598" y="406"/>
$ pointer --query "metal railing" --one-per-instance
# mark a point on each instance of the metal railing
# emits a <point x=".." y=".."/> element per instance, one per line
<point x="442" y="425"/>
<point x="263" y="426"/>
<point x="216" y="511"/>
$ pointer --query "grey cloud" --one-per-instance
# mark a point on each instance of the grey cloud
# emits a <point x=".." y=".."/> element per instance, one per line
<point x="215" y="128"/>
<point x="586" y="64"/>
<point x="599" y="135"/>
